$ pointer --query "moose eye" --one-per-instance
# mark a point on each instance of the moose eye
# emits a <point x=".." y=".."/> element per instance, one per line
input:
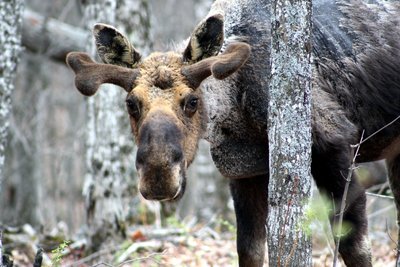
<point x="133" y="106"/>
<point x="190" y="105"/>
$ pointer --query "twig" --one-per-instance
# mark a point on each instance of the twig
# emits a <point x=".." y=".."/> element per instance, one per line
<point x="348" y="180"/>
<point x="94" y="255"/>
<point x="390" y="236"/>
<point x="138" y="245"/>
<point x="379" y="195"/>
<point x="387" y="125"/>
<point x="376" y="213"/>
<point x="344" y="199"/>
<point x="103" y="263"/>
<point x="150" y="256"/>
<point x="379" y="187"/>
<point x="132" y="260"/>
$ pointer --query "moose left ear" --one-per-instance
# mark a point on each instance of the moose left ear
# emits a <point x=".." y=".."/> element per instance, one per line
<point x="113" y="47"/>
<point x="206" y="40"/>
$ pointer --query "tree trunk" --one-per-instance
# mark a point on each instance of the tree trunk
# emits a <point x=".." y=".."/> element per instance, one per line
<point x="23" y="175"/>
<point x="110" y="180"/>
<point x="104" y="184"/>
<point x="289" y="133"/>
<point x="44" y="159"/>
<point x="10" y="47"/>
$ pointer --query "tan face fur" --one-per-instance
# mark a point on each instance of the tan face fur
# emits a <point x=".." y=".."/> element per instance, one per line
<point x="165" y="106"/>
<point x="167" y="129"/>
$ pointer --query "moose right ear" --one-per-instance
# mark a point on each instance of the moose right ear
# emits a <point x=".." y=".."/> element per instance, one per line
<point x="113" y="47"/>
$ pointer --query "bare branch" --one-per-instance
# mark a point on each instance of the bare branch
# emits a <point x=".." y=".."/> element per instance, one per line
<point x="354" y="150"/>
<point x="95" y="255"/>
<point x="379" y="196"/>
<point x="387" y="125"/>
<point x="50" y="36"/>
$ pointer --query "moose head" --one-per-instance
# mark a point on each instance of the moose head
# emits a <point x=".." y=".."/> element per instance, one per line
<point x="165" y="105"/>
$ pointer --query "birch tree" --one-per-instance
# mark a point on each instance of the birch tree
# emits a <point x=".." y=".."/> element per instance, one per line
<point x="110" y="167"/>
<point x="289" y="132"/>
<point x="10" y="47"/>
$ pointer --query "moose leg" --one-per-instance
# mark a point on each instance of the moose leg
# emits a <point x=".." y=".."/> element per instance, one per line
<point x="250" y="200"/>
<point x="394" y="179"/>
<point x="330" y="170"/>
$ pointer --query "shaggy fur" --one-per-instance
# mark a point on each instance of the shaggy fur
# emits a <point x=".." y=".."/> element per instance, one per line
<point x="356" y="87"/>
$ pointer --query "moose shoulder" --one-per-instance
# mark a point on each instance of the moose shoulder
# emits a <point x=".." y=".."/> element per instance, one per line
<point x="217" y="88"/>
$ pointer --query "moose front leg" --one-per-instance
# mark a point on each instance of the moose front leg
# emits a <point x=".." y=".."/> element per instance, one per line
<point x="394" y="179"/>
<point x="250" y="200"/>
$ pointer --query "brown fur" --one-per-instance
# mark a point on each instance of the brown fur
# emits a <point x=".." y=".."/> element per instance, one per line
<point x="167" y="113"/>
<point x="164" y="69"/>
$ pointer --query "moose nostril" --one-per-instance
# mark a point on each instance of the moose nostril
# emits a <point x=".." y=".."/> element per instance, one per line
<point x="177" y="155"/>
<point x="145" y="194"/>
<point x="139" y="158"/>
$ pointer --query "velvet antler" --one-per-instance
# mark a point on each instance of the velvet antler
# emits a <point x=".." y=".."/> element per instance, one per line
<point x="90" y="75"/>
<point x="220" y="66"/>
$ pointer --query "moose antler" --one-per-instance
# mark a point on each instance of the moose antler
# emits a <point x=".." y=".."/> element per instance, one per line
<point x="220" y="66"/>
<point x="90" y="75"/>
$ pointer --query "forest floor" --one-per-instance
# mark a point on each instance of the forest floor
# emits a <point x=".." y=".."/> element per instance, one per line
<point x="182" y="245"/>
<point x="175" y="247"/>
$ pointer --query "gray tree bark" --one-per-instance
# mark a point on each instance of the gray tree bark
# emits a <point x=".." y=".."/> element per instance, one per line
<point x="23" y="175"/>
<point x="104" y="184"/>
<point x="289" y="133"/>
<point x="108" y="182"/>
<point x="43" y="161"/>
<point x="10" y="47"/>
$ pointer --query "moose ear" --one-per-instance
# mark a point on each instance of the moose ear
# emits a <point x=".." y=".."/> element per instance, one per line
<point x="113" y="47"/>
<point x="206" y="40"/>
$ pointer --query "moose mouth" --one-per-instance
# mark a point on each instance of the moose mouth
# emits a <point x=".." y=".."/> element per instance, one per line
<point x="160" y="188"/>
<point x="179" y="192"/>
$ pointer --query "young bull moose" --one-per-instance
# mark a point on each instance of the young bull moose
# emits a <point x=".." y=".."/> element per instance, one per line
<point x="217" y="88"/>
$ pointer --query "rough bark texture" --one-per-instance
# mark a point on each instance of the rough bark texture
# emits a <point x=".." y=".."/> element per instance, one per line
<point x="289" y="132"/>
<point x="104" y="182"/>
<point x="10" y="47"/>
<point x="110" y="180"/>
<point x="133" y="18"/>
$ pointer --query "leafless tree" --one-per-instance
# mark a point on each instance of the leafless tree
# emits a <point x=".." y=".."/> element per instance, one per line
<point x="10" y="45"/>
<point x="289" y="132"/>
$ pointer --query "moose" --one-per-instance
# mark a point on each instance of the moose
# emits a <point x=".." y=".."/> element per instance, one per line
<point x="216" y="87"/>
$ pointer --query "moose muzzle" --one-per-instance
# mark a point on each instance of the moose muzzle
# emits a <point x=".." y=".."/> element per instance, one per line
<point x="160" y="159"/>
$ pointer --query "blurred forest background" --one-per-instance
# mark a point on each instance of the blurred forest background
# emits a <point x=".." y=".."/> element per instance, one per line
<point x="45" y="159"/>
<point x="46" y="172"/>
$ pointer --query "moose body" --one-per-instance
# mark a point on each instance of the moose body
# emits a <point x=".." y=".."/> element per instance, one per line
<point x="217" y="89"/>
